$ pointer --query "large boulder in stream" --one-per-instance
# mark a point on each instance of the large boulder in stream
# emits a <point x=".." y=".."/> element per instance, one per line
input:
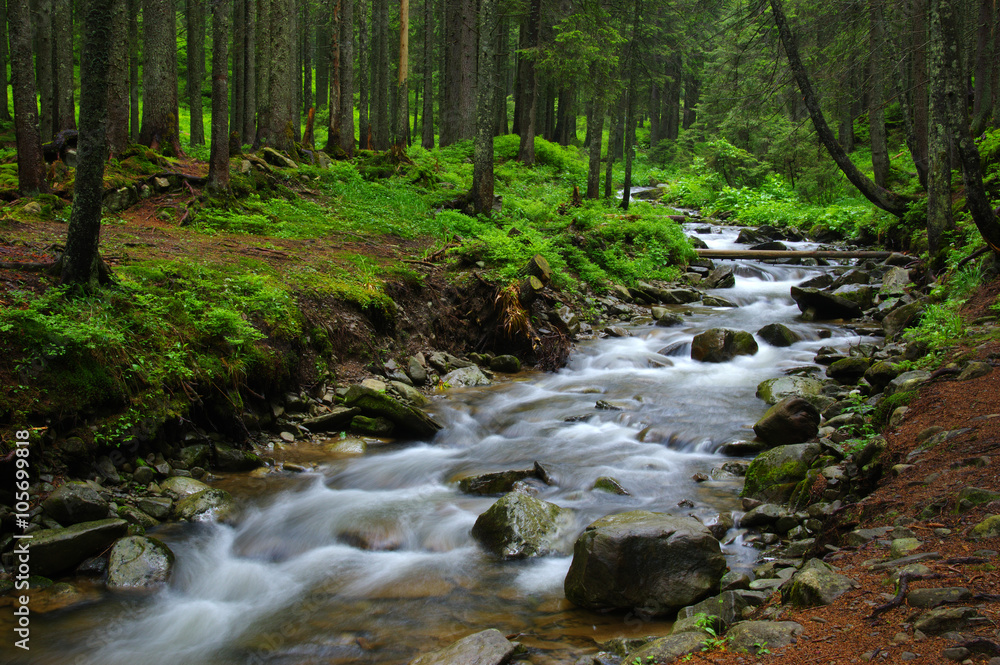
<point x="653" y="562"/>
<point x="140" y="564"/>
<point x="718" y="345"/>
<point x="207" y="505"/>
<point x="774" y="390"/>
<point x="773" y="474"/>
<point x="488" y="647"/>
<point x="722" y="277"/>
<point x="519" y="526"/>
<point x="409" y="420"/>
<point x="825" y="305"/>
<point x="54" y="551"/>
<point x="777" y="334"/>
<point x="792" y="420"/>
<point x="75" y="502"/>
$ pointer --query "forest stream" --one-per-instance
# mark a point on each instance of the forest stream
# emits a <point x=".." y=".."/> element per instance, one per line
<point x="285" y="583"/>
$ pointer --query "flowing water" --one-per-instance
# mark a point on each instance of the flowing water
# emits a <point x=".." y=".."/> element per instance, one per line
<point x="284" y="584"/>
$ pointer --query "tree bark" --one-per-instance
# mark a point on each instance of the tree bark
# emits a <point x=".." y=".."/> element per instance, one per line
<point x="4" y="60"/>
<point x="134" y="8"/>
<point x="364" y="76"/>
<point x="62" y="55"/>
<point x="380" y="75"/>
<point x="30" y="163"/>
<point x="249" y="129"/>
<point x="218" y="161"/>
<point x="239" y="57"/>
<point x="402" y="80"/>
<point x="982" y="106"/>
<point x="118" y="72"/>
<point x="80" y="261"/>
<point x="528" y="105"/>
<point x="323" y="50"/>
<point x="881" y="197"/>
<point x="160" y="125"/>
<point x="196" y="67"/>
<point x="949" y="92"/>
<point x="876" y="96"/>
<point x="631" y="67"/>
<point x="482" y="163"/>
<point x="333" y="57"/>
<point x="307" y="61"/>
<point x="595" y="127"/>
<point x="264" y="56"/>
<point x="43" y="69"/>
<point x="346" y="68"/>
<point x="283" y="81"/>
<point x="427" y="121"/>
<point x="921" y="98"/>
<point x="458" y="106"/>
<point x="503" y="69"/>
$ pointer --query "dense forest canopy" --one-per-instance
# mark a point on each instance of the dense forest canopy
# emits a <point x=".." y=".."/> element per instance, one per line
<point x="889" y="96"/>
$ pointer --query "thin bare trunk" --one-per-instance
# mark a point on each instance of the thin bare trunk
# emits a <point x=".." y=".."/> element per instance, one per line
<point x="333" y="57"/>
<point x="196" y="67"/>
<point x="62" y="55"/>
<point x="117" y="135"/>
<point x="876" y="95"/>
<point x="427" y="121"/>
<point x="30" y="163"/>
<point x="346" y="73"/>
<point x="218" y="161"/>
<point x="402" y="83"/>
<point x="482" y="173"/>
<point x="43" y="68"/>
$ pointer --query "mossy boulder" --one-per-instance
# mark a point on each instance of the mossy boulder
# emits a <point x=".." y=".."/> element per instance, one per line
<point x="825" y="305"/>
<point x="519" y="526"/>
<point x="816" y="583"/>
<point x="777" y="334"/>
<point x="988" y="528"/>
<point x="773" y="474"/>
<point x="719" y="345"/>
<point x="209" y="504"/>
<point x="774" y="390"/>
<point x="409" y="420"/>
<point x="75" y="502"/>
<point x="488" y="647"/>
<point x="792" y="420"/>
<point x="54" y="551"/>
<point x="881" y="373"/>
<point x="653" y="562"/>
<point x="848" y="371"/>
<point x="139" y="563"/>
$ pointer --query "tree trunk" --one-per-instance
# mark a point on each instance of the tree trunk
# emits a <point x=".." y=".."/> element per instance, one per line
<point x="43" y="68"/>
<point x="249" y="129"/>
<point x="196" y="67"/>
<point x="134" y="7"/>
<point x="949" y="93"/>
<point x="503" y="69"/>
<point x="631" y="67"/>
<point x="160" y="126"/>
<point x="670" y="118"/>
<point x="239" y="28"/>
<point x="881" y="197"/>
<point x="529" y="86"/>
<point x="876" y="96"/>
<point x="482" y="163"/>
<point x="402" y="82"/>
<point x="380" y="74"/>
<point x="218" y="161"/>
<point x="595" y="128"/>
<point x="280" y="133"/>
<point x="118" y="66"/>
<point x="333" y="57"/>
<point x="323" y="50"/>
<point x="30" y="163"/>
<point x="458" y="105"/>
<point x="62" y="47"/>
<point x="4" y="59"/>
<point x="691" y="100"/>
<point x="364" y="75"/>
<point x="427" y="122"/>
<point x="80" y="261"/>
<point x="982" y="106"/>
<point x="346" y="74"/>
<point x="921" y="103"/>
<point x="264" y="55"/>
<point x="307" y="60"/>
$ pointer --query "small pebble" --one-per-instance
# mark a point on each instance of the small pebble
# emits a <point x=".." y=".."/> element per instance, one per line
<point x="908" y="655"/>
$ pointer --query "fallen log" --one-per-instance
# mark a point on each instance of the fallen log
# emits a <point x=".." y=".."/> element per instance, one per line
<point x="789" y="254"/>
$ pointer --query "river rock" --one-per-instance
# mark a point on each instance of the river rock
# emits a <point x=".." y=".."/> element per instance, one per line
<point x="139" y="563"/>
<point x="668" y="649"/>
<point x="136" y="516"/>
<point x="792" y="420"/>
<point x="774" y="390"/>
<point x="507" y="364"/>
<point x="409" y="420"/>
<point x="718" y="345"/>
<point x="945" y="619"/>
<point x="231" y="459"/>
<point x="777" y="334"/>
<point x="417" y="370"/>
<point x="520" y="526"/>
<point x="753" y="636"/>
<point x="494" y="483"/>
<point x="901" y="318"/>
<point x="610" y="485"/>
<point x="665" y="318"/>
<point x="881" y="373"/>
<point x="209" y="504"/>
<point x="988" y="528"/>
<point x="726" y="609"/>
<point x="764" y="516"/>
<point x="907" y="381"/>
<point x="488" y="647"/>
<point x="179" y="487"/>
<point x="466" y="377"/>
<point x="848" y="371"/>
<point x="895" y="281"/>
<point x="653" y="562"/>
<point x="974" y="370"/>
<point x="722" y="277"/>
<point x="717" y="301"/>
<point x="337" y="419"/>
<point x="158" y="507"/>
<point x="54" y="551"/>
<point x="936" y="597"/>
<point x="816" y="583"/>
<point x="861" y="294"/>
<point x="825" y="304"/>
<point x="773" y="474"/>
<point x="75" y="502"/>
